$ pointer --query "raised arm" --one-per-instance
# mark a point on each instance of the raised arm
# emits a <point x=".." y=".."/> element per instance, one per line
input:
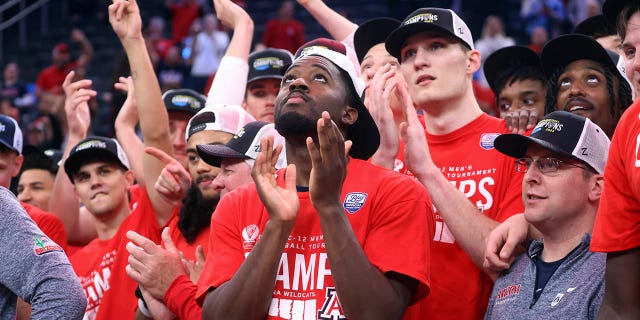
<point x="66" y="204"/>
<point x="87" y="49"/>
<point x="469" y="226"/>
<point x="252" y="284"/>
<point x="125" y="127"/>
<point x="124" y="17"/>
<point x="228" y="87"/>
<point x="339" y="27"/>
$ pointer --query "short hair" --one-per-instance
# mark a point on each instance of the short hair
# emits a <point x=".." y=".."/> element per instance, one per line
<point x="623" y="17"/>
<point x="39" y="161"/>
<point x="510" y="75"/>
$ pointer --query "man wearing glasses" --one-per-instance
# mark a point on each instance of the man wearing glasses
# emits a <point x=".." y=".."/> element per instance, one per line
<point x="563" y="160"/>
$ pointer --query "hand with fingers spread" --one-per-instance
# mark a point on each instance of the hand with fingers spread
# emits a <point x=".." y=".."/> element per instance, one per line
<point x="522" y="120"/>
<point x="329" y="164"/>
<point x="152" y="266"/>
<point x="128" y="115"/>
<point x="377" y="101"/>
<point x="124" y="17"/>
<point x="281" y="203"/>
<point x="502" y="243"/>
<point x="416" y="149"/>
<point x="77" y="94"/>
<point x="174" y="180"/>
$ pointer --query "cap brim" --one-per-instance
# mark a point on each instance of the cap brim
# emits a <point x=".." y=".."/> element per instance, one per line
<point x="565" y="49"/>
<point x="364" y="134"/>
<point x="508" y="58"/>
<point x="214" y="153"/>
<point x="72" y="163"/>
<point x="10" y="147"/>
<point x="515" y="145"/>
<point x="596" y="25"/>
<point x="397" y="38"/>
<point x="270" y="76"/>
<point x="372" y="32"/>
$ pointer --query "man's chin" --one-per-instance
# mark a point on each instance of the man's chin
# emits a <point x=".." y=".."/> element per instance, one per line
<point x="293" y="123"/>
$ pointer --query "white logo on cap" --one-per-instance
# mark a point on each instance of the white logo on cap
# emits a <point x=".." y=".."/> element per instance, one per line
<point x="91" y="144"/>
<point x="423" y="17"/>
<point x="2" y="127"/>
<point x="267" y="62"/>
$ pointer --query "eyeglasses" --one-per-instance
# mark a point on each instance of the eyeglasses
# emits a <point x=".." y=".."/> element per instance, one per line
<point x="545" y="165"/>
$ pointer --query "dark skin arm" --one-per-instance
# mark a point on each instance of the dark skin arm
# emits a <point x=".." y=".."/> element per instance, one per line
<point x="364" y="291"/>
<point x="252" y="285"/>
<point x="622" y="286"/>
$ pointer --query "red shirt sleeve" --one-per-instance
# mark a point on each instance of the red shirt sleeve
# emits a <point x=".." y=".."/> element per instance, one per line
<point x="180" y="299"/>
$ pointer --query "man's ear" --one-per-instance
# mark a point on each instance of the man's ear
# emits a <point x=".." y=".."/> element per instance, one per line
<point x="596" y="187"/>
<point x="349" y="116"/>
<point x="474" y="61"/>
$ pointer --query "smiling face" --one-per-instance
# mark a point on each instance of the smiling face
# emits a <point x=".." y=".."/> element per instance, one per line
<point x="35" y="186"/>
<point x="582" y="89"/>
<point x="437" y="68"/>
<point x="547" y="201"/>
<point x="311" y="85"/>
<point x="103" y="187"/>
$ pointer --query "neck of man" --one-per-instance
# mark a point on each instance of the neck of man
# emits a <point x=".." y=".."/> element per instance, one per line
<point x="445" y="116"/>
<point x="298" y="154"/>
<point x="107" y="224"/>
<point x="561" y="238"/>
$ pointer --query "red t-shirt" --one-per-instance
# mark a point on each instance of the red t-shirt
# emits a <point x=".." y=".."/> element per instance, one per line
<point x="187" y="249"/>
<point x="467" y="158"/>
<point x="390" y="215"/>
<point x="288" y="35"/>
<point x="51" y="78"/>
<point x="100" y="266"/>
<point x="617" y="226"/>
<point x="49" y="223"/>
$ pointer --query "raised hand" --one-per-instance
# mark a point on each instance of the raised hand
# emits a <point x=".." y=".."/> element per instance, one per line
<point x="329" y="163"/>
<point x="416" y="149"/>
<point x="377" y="101"/>
<point x="128" y="114"/>
<point x="522" y="120"/>
<point x="76" y="107"/>
<point x="124" y="16"/>
<point x="174" y="180"/>
<point x="152" y="266"/>
<point x="229" y="13"/>
<point x="281" y="203"/>
<point x="194" y="268"/>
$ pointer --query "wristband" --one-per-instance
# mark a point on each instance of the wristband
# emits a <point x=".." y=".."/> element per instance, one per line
<point x="143" y="309"/>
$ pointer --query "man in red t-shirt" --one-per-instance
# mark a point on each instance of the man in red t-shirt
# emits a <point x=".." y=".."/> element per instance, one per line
<point x="618" y="221"/>
<point x="330" y="236"/>
<point x="284" y="32"/>
<point x="473" y="187"/>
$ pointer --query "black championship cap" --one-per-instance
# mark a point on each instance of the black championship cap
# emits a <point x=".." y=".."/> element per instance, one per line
<point x="595" y="27"/>
<point x="268" y="64"/>
<point x="428" y="19"/>
<point x="507" y="59"/>
<point x="95" y="147"/>
<point x="184" y="100"/>
<point x="565" y="133"/>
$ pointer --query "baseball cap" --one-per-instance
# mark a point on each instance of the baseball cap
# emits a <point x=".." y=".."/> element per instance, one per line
<point x="564" y="49"/>
<point x="35" y="158"/>
<point x="268" y="64"/>
<point x="426" y="19"/>
<point x="225" y="118"/>
<point x="363" y="133"/>
<point x="371" y="33"/>
<point x="509" y="58"/>
<point x="244" y="145"/>
<point x="596" y="26"/>
<point x="61" y="48"/>
<point x="565" y="133"/>
<point x="10" y="134"/>
<point x="98" y="148"/>
<point x="184" y="100"/>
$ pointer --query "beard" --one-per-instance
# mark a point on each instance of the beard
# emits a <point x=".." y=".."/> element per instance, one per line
<point x="293" y="123"/>
<point x="195" y="213"/>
